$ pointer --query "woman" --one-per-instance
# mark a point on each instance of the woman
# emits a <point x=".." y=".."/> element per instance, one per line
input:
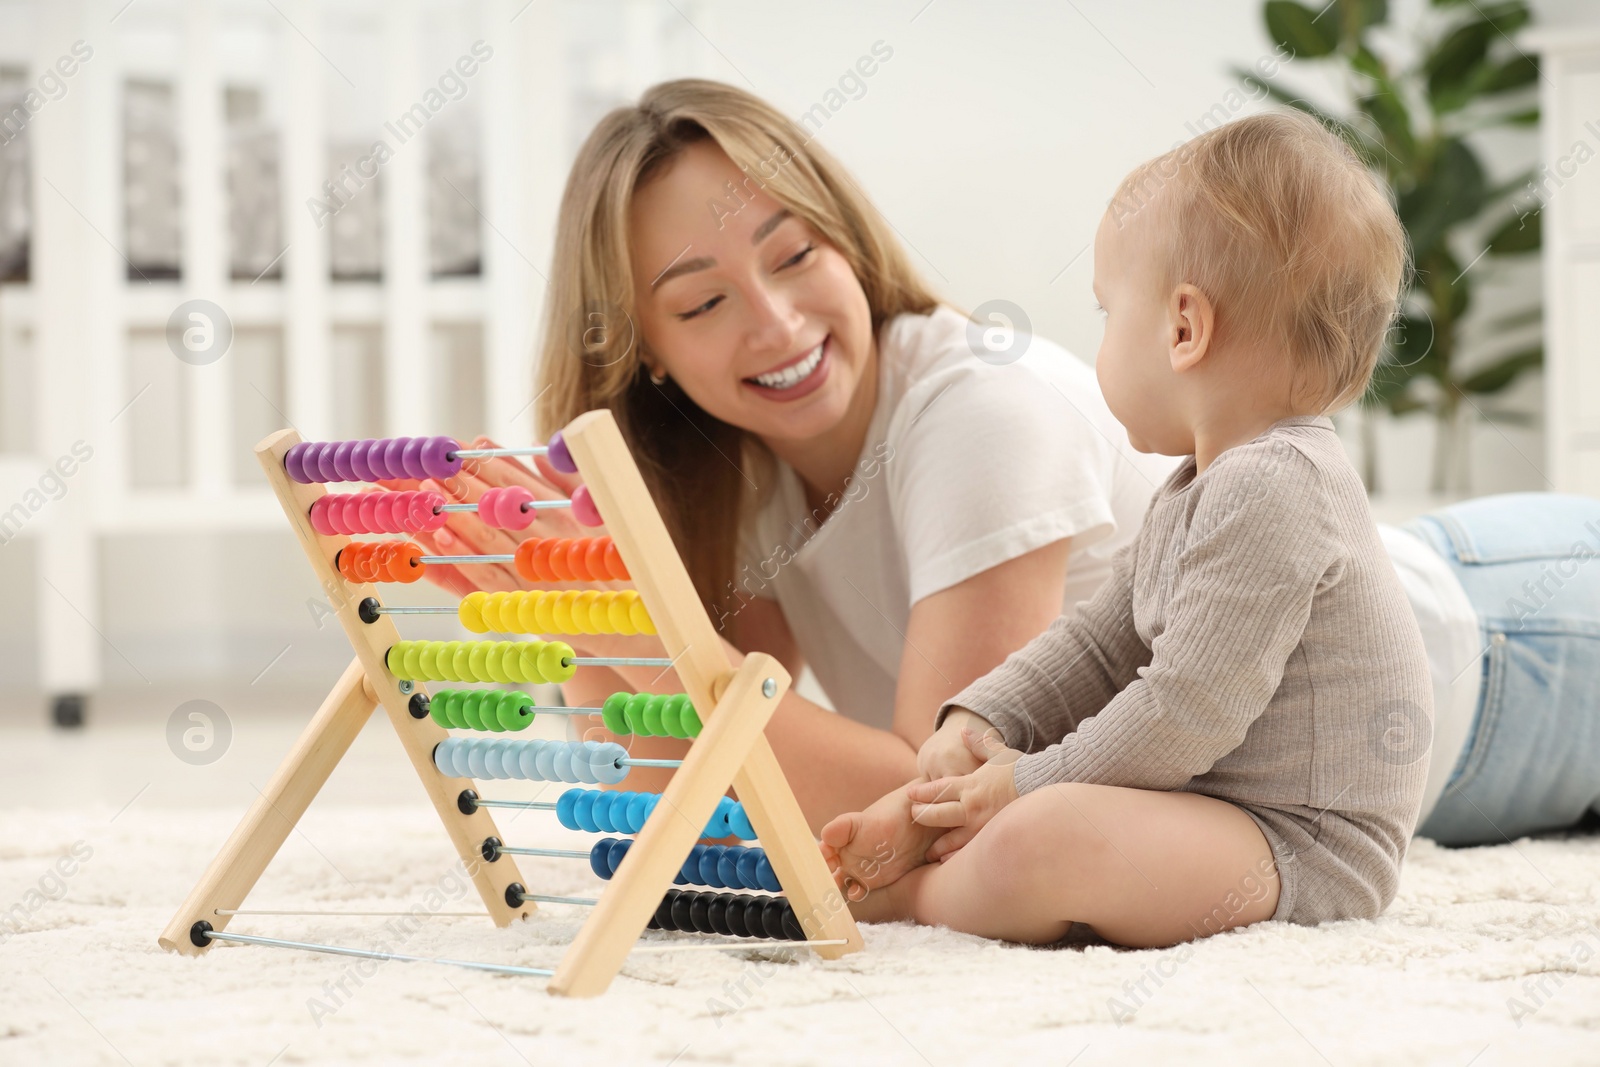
<point x="853" y="490"/>
<point x="779" y="360"/>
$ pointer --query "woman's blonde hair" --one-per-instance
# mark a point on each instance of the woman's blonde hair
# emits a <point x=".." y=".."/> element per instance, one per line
<point x="1289" y="234"/>
<point x="590" y="353"/>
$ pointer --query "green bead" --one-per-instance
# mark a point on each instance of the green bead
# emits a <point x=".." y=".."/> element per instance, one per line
<point x="516" y="711"/>
<point x="613" y="713"/>
<point x="691" y="719"/>
<point x="439" y="707"/>
<point x="637" y="703"/>
<point x="671" y="721"/>
<point x="472" y="709"/>
<point x="652" y="717"/>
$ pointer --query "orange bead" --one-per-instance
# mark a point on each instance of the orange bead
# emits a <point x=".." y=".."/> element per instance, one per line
<point x="578" y="559"/>
<point x="614" y="565"/>
<point x="560" y="569"/>
<point x="594" y="558"/>
<point x="405" y="561"/>
<point x="524" y="559"/>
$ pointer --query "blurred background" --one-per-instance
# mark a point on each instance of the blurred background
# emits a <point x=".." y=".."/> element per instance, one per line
<point x="159" y="153"/>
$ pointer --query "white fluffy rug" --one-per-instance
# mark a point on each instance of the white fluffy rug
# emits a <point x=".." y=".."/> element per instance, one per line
<point x="1490" y="956"/>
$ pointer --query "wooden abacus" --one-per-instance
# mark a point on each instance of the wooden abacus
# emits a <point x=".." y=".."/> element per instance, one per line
<point x="729" y="747"/>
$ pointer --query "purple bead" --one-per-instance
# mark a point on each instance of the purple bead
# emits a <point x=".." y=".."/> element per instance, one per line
<point x="358" y="461"/>
<point x="392" y="466"/>
<point x="341" y="460"/>
<point x="327" y="472"/>
<point x="293" y="462"/>
<point x="411" y="458"/>
<point x="439" y="459"/>
<point x="560" y="458"/>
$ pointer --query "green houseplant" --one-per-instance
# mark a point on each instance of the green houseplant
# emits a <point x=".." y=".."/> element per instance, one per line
<point x="1413" y="100"/>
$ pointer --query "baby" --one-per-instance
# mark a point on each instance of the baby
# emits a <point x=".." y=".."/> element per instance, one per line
<point x="1203" y="744"/>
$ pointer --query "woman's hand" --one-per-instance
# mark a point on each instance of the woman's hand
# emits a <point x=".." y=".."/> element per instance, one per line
<point x="465" y="534"/>
<point x="946" y="753"/>
<point x="966" y="804"/>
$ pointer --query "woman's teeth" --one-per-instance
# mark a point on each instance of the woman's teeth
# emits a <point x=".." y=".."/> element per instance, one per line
<point x="793" y="374"/>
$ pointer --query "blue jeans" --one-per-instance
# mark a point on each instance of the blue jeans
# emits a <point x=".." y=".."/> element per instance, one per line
<point x="1530" y="563"/>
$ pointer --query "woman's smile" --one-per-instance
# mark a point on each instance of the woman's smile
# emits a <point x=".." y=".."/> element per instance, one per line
<point x="795" y="377"/>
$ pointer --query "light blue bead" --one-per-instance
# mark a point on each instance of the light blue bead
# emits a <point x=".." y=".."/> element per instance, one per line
<point x="527" y="762"/>
<point x="491" y="761"/>
<point x="581" y="770"/>
<point x="561" y="763"/>
<point x="546" y="762"/>
<point x="444" y="757"/>
<point x="604" y="763"/>
<point x="477" y="762"/>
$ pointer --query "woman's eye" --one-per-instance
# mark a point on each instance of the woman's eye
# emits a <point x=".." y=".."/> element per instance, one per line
<point x="798" y="256"/>
<point x="684" y="316"/>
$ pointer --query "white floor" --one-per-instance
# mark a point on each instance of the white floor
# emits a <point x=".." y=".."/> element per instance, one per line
<point x="1490" y="956"/>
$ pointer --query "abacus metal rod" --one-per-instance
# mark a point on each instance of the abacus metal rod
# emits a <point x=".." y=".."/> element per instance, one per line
<point x="615" y="661"/>
<point x="493" y="557"/>
<point x="486" y="453"/>
<point x="527" y="505"/>
<point x="524" y="805"/>
<point x="367" y="954"/>
<point x="551" y="853"/>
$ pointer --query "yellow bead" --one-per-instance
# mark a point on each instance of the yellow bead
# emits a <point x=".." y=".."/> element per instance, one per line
<point x="589" y="620"/>
<point x="641" y="617"/>
<point x="562" y="611"/>
<point x="470" y="612"/>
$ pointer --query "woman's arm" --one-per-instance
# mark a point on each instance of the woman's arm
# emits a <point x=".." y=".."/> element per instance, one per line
<point x="835" y="764"/>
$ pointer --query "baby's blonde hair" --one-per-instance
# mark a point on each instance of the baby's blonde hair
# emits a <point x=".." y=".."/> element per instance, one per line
<point x="1289" y="235"/>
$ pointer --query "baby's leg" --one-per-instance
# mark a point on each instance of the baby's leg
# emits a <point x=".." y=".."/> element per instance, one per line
<point x="1143" y="868"/>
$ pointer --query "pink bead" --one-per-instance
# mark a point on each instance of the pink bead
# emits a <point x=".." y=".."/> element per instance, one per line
<point x="383" y="511"/>
<point x="319" y="516"/>
<point x="348" y="514"/>
<point x="364" y="512"/>
<point x="423" y="515"/>
<point x="583" y="507"/>
<point x="512" y="514"/>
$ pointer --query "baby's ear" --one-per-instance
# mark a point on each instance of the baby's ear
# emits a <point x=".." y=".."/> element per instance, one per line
<point x="1192" y="321"/>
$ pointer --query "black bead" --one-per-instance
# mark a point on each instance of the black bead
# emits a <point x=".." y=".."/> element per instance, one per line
<point x="680" y="913"/>
<point x="491" y="849"/>
<point x="368" y="608"/>
<point x="198" y="932"/>
<point x="467" y="801"/>
<point x="700" y="913"/>
<point x="418" y="706"/>
<point x="791" y="923"/>
<point x="514" y="892"/>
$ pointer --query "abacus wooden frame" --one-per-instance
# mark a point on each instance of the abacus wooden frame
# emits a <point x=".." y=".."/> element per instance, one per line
<point x="731" y="750"/>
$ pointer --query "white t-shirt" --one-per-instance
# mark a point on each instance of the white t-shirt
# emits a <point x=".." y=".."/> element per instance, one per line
<point x="938" y="497"/>
<point x="1454" y="640"/>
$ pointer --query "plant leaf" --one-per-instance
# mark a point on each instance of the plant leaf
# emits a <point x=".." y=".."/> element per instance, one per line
<point x="1452" y="192"/>
<point x="1518" y="319"/>
<point x="1300" y="30"/>
<point x="1501" y="373"/>
<point x="1520" y="233"/>
<point x="1514" y="73"/>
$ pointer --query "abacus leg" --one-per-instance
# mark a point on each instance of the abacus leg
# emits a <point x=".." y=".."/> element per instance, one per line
<point x="234" y="871"/>
<point x="1143" y="868"/>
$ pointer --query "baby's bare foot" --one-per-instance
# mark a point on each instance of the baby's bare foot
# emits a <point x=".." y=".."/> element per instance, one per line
<point x="875" y="847"/>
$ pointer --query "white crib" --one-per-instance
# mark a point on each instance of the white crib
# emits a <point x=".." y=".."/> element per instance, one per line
<point x="81" y="332"/>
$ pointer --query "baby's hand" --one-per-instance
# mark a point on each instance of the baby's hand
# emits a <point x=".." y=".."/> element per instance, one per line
<point x="946" y="754"/>
<point x="966" y="804"/>
<point x="867" y="850"/>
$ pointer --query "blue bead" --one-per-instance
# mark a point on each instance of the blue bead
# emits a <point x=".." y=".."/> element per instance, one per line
<point x="717" y="826"/>
<point x="566" y="808"/>
<point x="711" y="866"/>
<point x="728" y="868"/>
<point x="639" y="809"/>
<point x="584" y="808"/>
<point x="689" y="873"/>
<point x="619" y="849"/>
<point x="749" y="860"/>
<point x="766" y="877"/>
<point x="739" y="822"/>
<point x="597" y="859"/>
<point x="599" y="810"/>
